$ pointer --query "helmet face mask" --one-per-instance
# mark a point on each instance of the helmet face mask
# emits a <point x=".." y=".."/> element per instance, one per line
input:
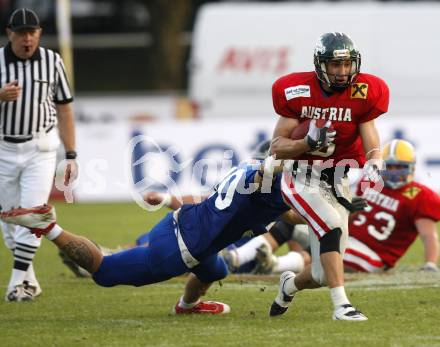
<point x="397" y="175"/>
<point x="336" y="48"/>
<point x="399" y="157"/>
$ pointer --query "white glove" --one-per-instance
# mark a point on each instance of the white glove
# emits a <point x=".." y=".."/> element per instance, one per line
<point x="430" y="266"/>
<point x="71" y="171"/>
<point x="371" y="171"/>
<point x="319" y="137"/>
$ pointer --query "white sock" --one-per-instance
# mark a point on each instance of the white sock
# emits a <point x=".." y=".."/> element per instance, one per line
<point x="30" y="275"/>
<point x="183" y="304"/>
<point x="338" y="296"/>
<point x="248" y="251"/>
<point x="292" y="261"/>
<point x="17" y="277"/>
<point x="290" y="287"/>
<point x="54" y="233"/>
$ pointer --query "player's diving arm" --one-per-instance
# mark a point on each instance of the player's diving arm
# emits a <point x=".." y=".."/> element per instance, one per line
<point x="282" y="146"/>
<point x="427" y="229"/>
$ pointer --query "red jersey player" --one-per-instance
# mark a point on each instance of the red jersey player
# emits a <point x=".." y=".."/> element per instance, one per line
<point x="349" y="101"/>
<point x="404" y="209"/>
<point x="383" y="232"/>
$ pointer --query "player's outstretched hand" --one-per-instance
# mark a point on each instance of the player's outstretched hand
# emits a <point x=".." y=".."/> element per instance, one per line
<point x="319" y="137"/>
<point x="430" y="266"/>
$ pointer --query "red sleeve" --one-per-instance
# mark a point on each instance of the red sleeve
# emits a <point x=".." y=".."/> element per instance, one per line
<point x="381" y="103"/>
<point x="280" y="102"/>
<point x="428" y="206"/>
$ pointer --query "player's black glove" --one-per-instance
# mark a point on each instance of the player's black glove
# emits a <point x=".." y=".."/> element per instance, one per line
<point x="319" y="137"/>
<point x="358" y="204"/>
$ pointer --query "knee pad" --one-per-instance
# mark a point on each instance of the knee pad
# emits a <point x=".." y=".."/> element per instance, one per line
<point x="330" y="242"/>
<point x="211" y="270"/>
<point x="281" y="232"/>
<point x="220" y="273"/>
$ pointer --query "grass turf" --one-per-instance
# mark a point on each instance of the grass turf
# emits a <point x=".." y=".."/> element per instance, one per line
<point x="402" y="306"/>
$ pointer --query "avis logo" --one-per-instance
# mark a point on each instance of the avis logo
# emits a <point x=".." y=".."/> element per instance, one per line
<point x="261" y="59"/>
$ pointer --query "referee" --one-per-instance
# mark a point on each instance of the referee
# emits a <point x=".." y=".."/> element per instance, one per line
<point x="35" y="100"/>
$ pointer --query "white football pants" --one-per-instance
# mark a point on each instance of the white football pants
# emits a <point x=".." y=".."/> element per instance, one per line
<point x="358" y="256"/>
<point x="26" y="176"/>
<point x="316" y="203"/>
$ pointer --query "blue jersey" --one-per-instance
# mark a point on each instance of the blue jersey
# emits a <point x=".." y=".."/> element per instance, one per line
<point x="235" y="207"/>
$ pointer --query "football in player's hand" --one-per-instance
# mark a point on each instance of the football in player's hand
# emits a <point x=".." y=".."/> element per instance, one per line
<point x="301" y="130"/>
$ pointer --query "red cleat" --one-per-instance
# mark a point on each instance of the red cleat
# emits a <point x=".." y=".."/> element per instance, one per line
<point x="40" y="219"/>
<point x="210" y="307"/>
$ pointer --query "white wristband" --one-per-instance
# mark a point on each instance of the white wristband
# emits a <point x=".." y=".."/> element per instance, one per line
<point x="371" y="151"/>
<point x="54" y="233"/>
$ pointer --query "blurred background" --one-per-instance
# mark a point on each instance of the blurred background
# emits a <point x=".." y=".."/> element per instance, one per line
<point x="193" y="79"/>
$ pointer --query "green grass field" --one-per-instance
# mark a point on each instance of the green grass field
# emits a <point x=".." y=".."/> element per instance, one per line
<point x="402" y="306"/>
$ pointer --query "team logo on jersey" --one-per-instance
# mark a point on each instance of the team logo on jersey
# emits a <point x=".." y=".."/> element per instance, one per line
<point x="297" y="92"/>
<point x="359" y="91"/>
<point x="411" y="192"/>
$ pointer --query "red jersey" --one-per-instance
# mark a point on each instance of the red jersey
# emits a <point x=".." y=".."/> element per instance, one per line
<point x="388" y="226"/>
<point x="300" y="96"/>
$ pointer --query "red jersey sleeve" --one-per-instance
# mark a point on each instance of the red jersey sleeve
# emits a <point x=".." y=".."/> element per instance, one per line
<point x="280" y="101"/>
<point x="428" y="206"/>
<point x="380" y="102"/>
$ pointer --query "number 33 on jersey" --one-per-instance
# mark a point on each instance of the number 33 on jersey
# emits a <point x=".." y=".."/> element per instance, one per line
<point x="388" y="225"/>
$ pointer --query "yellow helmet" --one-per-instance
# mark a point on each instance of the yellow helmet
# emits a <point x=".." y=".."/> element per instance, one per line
<point x="400" y="159"/>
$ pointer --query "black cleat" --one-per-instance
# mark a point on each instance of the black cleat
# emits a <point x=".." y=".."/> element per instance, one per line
<point x="276" y="310"/>
<point x="282" y="300"/>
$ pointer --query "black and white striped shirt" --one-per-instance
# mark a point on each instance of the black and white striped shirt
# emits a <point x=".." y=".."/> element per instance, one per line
<point x="44" y="84"/>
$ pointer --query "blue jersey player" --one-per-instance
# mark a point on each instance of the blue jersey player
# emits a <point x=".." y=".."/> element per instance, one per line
<point x="186" y="240"/>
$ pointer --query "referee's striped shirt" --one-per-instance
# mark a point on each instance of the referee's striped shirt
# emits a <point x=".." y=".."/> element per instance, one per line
<point x="44" y="84"/>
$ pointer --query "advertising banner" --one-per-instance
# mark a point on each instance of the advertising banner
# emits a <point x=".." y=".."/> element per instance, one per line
<point x="119" y="161"/>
